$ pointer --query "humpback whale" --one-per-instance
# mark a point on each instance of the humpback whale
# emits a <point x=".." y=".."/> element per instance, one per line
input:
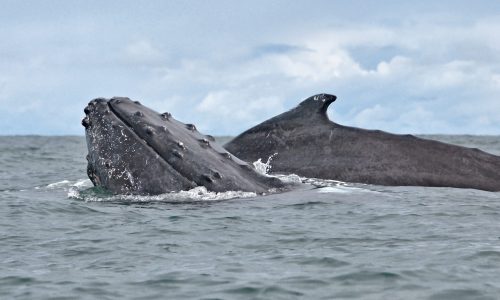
<point x="135" y="150"/>
<point x="308" y="144"/>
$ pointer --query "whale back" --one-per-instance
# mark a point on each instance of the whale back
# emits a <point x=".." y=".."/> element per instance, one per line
<point x="308" y="144"/>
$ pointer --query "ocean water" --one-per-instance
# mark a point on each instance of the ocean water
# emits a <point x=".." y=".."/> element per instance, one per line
<point x="62" y="239"/>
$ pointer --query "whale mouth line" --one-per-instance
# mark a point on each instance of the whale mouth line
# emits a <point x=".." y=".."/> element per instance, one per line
<point x="143" y="141"/>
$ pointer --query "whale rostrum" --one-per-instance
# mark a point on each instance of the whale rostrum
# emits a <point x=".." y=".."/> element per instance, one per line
<point x="135" y="150"/>
<point x="308" y="144"/>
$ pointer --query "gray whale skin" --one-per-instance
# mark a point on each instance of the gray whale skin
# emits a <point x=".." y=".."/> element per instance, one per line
<point x="308" y="144"/>
<point x="135" y="150"/>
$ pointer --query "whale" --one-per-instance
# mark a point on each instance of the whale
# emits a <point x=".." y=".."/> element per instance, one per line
<point x="133" y="149"/>
<point x="304" y="141"/>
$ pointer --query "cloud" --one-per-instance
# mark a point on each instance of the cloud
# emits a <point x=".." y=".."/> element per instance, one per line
<point x="143" y="52"/>
<point x="233" y="108"/>
<point x="403" y="68"/>
<point x="402" y="92"/>
<point x="268" y="49"/>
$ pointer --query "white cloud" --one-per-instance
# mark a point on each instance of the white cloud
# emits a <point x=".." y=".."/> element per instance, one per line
<point x="318" y="65"/>
<point x="376" y="114"/>
<point x="227" y="109"/>
<point x="496" y="80"/>
<point x="143" y="52"/>
<point x="397" y="66"/>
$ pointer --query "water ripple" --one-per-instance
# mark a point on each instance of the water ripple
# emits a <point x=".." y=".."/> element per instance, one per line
<point x="370" y="242"/>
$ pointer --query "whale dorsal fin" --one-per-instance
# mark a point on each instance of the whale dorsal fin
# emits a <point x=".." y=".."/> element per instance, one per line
<point x="310" y="110"/>
<point x="314" y="105"/>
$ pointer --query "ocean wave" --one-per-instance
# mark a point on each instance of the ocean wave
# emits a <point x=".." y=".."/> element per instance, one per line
<point x="68" y="184"/>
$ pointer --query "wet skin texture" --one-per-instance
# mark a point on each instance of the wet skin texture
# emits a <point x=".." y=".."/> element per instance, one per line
<point x="309" y="144"/>
<point x="135" y="150"/>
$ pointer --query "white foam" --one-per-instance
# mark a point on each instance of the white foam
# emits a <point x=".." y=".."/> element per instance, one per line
<point x="325" y="185"/>
<point x="324" y="182"/>
<point x="335" y="186"/>
<point x="338" y="190"/>
<point x="196" y="194"/>
<point x="290" y="178"/>
<point x="67" y="184"/>
<point x="58" y="184"/>
<point x="74" y="194"/>
<point x="83" y="183"/>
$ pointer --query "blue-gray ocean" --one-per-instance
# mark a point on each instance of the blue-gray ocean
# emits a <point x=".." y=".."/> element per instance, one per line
<point x="62" y="239"/>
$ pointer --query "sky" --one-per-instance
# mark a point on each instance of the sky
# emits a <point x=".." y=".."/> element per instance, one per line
<point x="401" y="66"/>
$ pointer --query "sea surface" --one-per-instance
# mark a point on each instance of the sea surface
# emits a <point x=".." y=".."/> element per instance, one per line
<point x="62" y="239"/>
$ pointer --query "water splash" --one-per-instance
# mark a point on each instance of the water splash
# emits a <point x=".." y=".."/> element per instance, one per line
<point x="264" y="168"/>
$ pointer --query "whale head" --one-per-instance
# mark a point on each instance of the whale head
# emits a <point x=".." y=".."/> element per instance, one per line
<point x="135" y="150"/>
